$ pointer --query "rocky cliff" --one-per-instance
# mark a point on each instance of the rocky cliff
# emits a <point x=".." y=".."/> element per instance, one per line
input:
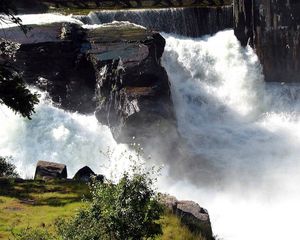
<point x="114" y="70"/>
<point x="273" y="28"/>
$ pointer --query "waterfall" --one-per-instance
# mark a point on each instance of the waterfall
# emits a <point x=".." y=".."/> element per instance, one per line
<point x="247" y="132"/>
<point x="193" y="22"/>
<point x="59" y="136"/>
<point x="244" y="134"/>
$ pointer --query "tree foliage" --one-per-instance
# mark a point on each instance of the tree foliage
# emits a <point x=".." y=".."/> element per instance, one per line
<point x="126" y="210"/>
<point x="13" y="91"/>
<point x="7" y="169"/>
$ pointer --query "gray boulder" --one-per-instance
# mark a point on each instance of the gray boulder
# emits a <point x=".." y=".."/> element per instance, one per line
<point x="50" y="170"/>
<point x="191" y="214"/>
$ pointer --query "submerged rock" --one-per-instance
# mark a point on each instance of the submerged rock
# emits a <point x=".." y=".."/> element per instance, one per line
<point x="50" y="170"/>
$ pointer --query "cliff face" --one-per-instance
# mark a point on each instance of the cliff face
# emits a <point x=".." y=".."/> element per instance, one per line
<point x="273" y="28"/>
<point x="114" y="70"/>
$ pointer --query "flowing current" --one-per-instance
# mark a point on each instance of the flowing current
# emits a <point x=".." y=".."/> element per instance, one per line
<point x="244" y="134"/>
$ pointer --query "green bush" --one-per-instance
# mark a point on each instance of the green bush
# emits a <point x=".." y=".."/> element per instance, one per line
<point x="7" y="169"/>
<point x="34" y="234"/>
<point x="126" y="210"/>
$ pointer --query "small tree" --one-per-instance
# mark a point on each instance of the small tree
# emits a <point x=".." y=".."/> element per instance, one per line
<point x="13" y="91"/>
<point x="126" y="210"/>
<point x="7" y="169"/>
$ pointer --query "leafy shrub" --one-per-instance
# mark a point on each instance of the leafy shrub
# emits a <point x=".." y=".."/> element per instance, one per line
<point x="34" y="234"/>
<point x="126" y="210"/>
<point x="7" y="169"/>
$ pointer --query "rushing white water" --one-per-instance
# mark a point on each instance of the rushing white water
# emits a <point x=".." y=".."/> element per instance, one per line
<point x="245" y="133"/>
<point x="55" y="135"/>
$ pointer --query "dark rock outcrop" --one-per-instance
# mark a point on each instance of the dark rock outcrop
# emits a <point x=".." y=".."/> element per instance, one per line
<point x="49" y="170"/>
<point x="273" y="29"/>
<point x="132" y="86"/>
<point x="114" y="70"/>
<point x="191" y="214"/>
<point x="86" y="174"/>
<point x="50" y="58"/>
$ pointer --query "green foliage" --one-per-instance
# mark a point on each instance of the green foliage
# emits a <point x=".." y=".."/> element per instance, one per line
<point x="14" y="94"/>
<point x="13" y="91"/>
<point x="7" y="169"/>
<point x="33" y="234"/>
<point x="126" y="210"/>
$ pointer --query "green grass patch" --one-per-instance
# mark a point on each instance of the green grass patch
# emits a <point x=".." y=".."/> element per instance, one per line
<point x="173" y="229"/>
<point x="37" y="204"/>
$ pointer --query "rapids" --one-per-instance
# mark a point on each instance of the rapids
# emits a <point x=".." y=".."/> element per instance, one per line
<point x="247" y="132"/>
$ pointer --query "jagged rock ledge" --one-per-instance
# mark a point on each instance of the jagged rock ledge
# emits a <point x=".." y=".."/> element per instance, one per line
<point x="113" y="69"/>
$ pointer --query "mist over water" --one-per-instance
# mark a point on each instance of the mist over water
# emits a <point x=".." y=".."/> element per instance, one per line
<point x="244" y="133"/>
<point x="55" y="135"/>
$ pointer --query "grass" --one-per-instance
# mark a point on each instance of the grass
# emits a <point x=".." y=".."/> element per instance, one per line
<point x="38" y="204"/>
<point x="174" y="230"/>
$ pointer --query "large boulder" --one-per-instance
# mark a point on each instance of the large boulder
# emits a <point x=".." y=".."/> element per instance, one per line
<point x="86" y="174"/>
<point x="191" y="214"/>
<point x="113" y="70"/>
<point x="50" y="170"/>
<point x="132" y="86"/>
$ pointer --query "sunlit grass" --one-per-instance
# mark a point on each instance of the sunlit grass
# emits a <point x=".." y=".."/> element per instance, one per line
<point x="174" y="230"/>
<point x="38" y="204"/>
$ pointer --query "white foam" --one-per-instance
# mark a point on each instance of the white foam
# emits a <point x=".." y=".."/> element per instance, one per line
<point x="56" y="135"/>
<point x="247" y="131"/>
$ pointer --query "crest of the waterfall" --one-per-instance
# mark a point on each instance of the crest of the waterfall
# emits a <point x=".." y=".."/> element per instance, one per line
<point x="185" y="21"/>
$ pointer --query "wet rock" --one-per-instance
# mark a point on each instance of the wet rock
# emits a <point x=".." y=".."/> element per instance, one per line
<point x="114" y="70"/>
<point x="273" y="29"/>
<point x="50" y="170"/>
<point x="132" y="87"/>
